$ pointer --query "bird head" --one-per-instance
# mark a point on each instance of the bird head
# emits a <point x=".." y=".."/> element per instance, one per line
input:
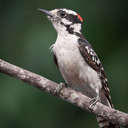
<point x="64" y="20"/>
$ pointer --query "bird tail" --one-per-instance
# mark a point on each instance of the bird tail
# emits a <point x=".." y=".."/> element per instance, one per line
<point x="102" y="122"/>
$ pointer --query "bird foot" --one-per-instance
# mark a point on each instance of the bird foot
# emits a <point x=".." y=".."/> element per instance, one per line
<point x="93" y="102"/>
<point x="60" y="87"/>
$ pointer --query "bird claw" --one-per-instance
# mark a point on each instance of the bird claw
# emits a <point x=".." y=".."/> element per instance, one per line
<point x="93" y="102"/>
<point x="60" y="87"/>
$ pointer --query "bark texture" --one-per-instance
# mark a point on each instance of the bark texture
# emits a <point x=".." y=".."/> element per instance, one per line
<point x="64" y="93"/>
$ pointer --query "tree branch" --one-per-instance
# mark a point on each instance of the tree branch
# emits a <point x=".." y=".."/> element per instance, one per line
<point x="66" y="94"/>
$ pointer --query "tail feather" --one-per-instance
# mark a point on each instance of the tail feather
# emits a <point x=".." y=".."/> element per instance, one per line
<point x="103" y="123"/>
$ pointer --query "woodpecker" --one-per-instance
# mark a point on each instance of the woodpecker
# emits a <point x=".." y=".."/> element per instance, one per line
<point x="77" y="61"/>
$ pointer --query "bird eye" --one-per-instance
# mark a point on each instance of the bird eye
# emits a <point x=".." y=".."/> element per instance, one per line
<point x="62" y="14"/>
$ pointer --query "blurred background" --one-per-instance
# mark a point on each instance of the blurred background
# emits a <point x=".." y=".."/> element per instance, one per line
<point x="25" y="38"/>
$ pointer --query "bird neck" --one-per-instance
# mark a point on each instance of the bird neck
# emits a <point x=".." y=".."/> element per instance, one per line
<point x="67" y="29"/>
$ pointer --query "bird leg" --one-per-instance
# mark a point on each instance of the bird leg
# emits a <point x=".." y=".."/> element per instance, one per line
<point x="60" y="87"/>
<point x="93" y="102"/>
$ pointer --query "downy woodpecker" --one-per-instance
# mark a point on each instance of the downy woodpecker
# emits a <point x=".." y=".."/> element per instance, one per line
<point x="77" y="60"/>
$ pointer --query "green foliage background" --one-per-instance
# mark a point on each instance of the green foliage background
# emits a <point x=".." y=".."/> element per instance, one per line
<point x="25" y="38"/>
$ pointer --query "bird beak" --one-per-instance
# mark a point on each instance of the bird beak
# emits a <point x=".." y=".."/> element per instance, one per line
<point x="45" y="12"/>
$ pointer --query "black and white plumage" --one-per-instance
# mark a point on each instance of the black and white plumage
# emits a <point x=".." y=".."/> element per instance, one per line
<point x="76" y="59"/>
<point x="92" y="59"/>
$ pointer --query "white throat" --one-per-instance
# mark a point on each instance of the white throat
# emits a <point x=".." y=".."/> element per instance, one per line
<point x="66" y="28"/>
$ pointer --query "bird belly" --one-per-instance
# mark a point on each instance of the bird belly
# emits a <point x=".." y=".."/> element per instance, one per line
<point x="74" y="69"/>
<point x="77" y="73"/>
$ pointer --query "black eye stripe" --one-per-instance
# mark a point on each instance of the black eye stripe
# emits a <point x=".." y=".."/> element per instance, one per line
<point x="72" y="18"/>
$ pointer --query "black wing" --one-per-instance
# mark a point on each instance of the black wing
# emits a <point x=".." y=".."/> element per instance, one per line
<point x="55" y="59"/>
<point x="92" y="60"/>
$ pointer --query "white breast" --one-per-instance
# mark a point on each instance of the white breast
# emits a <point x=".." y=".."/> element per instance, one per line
<point x="75" y="71"/>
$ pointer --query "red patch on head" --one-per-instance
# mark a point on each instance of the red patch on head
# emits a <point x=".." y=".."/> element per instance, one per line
<point x="80" y="18"/>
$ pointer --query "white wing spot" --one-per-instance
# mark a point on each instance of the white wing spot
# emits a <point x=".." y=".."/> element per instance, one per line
<point x="93" y="58"/>
<point x="91" y="53"/>
<point x="106" y="79"/>
<point x="98" y="62"/>
<point x="102" y="69"/>
<point x="87" y="48"/>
